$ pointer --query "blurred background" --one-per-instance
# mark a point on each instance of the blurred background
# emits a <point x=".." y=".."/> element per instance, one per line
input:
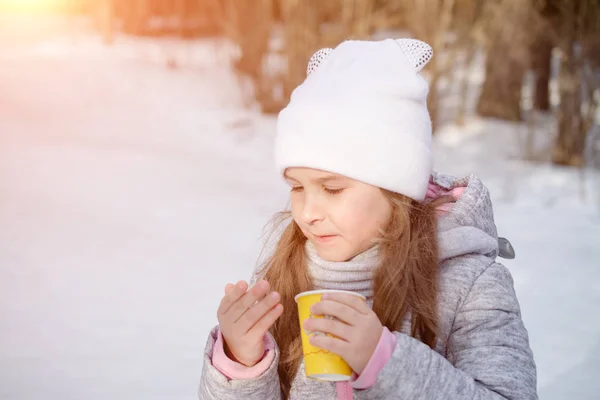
<point x="136" y="171"/>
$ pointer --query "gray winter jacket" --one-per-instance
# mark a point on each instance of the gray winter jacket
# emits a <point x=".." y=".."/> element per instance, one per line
<point x="482" y="351"/>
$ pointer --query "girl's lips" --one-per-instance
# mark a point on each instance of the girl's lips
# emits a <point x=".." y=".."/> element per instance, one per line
<point x="325" y="238"/>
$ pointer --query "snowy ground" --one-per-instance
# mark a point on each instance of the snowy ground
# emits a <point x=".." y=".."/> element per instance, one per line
<point x="130" y="194"/>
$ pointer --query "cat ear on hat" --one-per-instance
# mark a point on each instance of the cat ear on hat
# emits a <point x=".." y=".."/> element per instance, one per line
<point x="317" y="59"/>
<point x="418" y="52"/>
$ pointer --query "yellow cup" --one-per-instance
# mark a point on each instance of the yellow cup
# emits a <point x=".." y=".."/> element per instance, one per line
<point x="320" y="364"/>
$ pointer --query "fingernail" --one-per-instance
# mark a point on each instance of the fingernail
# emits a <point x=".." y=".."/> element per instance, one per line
<point x="240" y="285"/>
<point x="324" y="296"/>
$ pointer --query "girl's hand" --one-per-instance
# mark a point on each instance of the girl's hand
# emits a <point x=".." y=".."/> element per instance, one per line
<point x="244" y="318"/>
<point x="358" y="328"/>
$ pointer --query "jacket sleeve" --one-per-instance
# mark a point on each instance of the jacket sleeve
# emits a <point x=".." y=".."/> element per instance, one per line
<point x="489" y="355"/>
<point x="234" y="370"/>
<point x="214" y="385"/>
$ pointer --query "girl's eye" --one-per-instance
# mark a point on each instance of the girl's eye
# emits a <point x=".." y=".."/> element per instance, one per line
<point x="297" y="188"/>
<point x="333" y="191"/>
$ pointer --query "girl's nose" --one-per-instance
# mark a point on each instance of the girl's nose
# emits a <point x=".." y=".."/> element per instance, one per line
<point x="312" y="212"/>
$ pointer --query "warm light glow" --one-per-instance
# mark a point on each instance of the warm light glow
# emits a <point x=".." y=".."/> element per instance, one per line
<point x="32" y="5"/>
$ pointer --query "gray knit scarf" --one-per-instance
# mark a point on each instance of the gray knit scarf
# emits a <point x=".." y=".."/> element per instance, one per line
<point x="354" y="275"/>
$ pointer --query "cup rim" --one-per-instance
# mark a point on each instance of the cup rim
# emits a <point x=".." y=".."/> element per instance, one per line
<point x="330" y="377"/>
<point x="327" y="291"/>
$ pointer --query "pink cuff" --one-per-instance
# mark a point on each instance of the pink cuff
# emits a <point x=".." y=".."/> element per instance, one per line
<point x="237" y="371"/>
<point x="434" y="191"/>
<point x="381" y="355"/>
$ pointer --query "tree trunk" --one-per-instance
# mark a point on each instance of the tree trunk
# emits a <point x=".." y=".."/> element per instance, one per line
<point x="107" y="18"/>
<point x="542" y="57"/>
<point x="252" y="24"/>
<point x="301" y="25"/>
<point x="136" y="16"/>
<point x="464" y="86"/>
<point x="357" y="18"/>
<point x="570" y="142"/>
<point x="509" y="34"/>
<point x="433" y="100"/>
<point x="541" y="51"/>
<point x="501" y="93"/>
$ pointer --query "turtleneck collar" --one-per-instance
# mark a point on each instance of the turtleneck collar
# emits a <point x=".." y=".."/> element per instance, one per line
<point x="354" y="275"/>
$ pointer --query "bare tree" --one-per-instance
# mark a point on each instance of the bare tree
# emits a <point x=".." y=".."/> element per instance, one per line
<point x="541" y="52"/>
<point x="357" y="18"/>
<point x="510" y="30"/>
<point x="579" y="78"/>
<point x="451" y="27"/>
<point x="302" y="36"/>
<point x="107" y="16"/>
<point x="307" y="25"/>
<point x="305" y="31"/>
<point x="431" y="21"/>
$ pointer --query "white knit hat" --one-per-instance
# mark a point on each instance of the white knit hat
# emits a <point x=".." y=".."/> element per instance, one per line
<point x="362" y="113"/>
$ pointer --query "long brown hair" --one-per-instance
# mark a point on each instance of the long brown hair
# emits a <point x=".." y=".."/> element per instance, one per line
<point x="404" y="281"/>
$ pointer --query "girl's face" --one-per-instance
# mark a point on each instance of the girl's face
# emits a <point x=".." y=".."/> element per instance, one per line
<point x="339" y="215"/>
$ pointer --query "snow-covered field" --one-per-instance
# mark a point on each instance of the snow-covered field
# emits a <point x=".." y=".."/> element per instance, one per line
<point x="131" y="193"/>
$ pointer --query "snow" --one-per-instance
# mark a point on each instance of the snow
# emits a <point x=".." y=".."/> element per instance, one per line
<point x="131" y="193"/>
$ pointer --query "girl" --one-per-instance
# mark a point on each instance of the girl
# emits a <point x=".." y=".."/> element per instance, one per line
<point x="441" y="320"/>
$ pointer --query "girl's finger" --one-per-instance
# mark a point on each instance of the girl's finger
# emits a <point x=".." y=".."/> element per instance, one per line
<point x="262" y="325"/>
<point x="244" y="303"/>
<point x="355" y="302"/>
<point x="256" y="312"/>
<point x="336" y="346"/>
<point x="230" y="298"/>
<point x="339" y="310"/>
<point x="334" y="327"/>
